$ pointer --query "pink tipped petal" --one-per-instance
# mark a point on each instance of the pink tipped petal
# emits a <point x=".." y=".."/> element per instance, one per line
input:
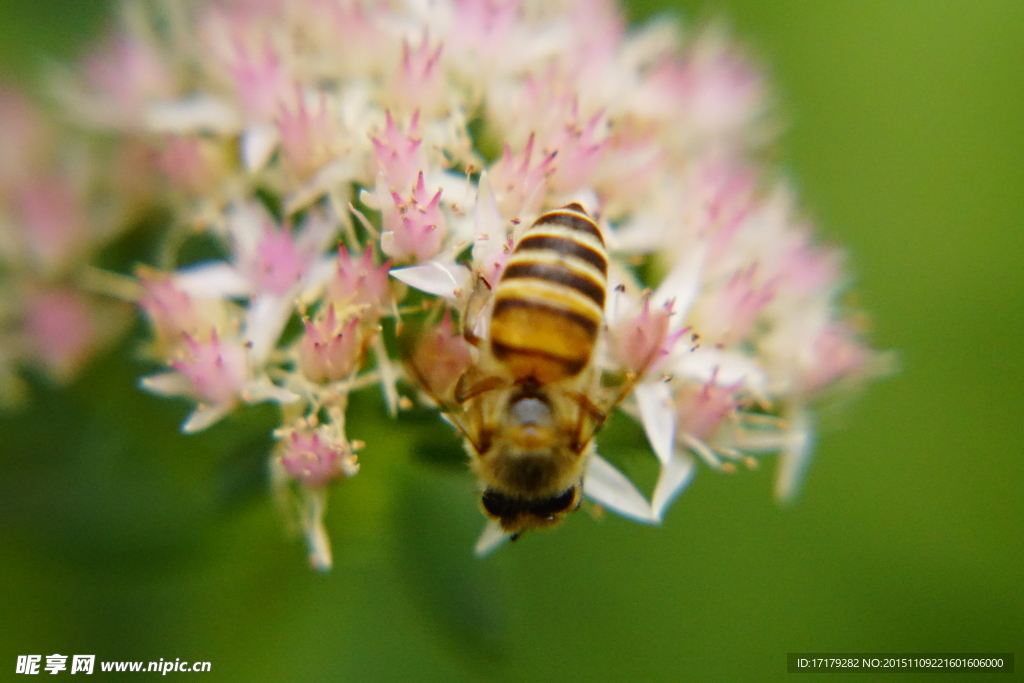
<point x="607" y="486"/>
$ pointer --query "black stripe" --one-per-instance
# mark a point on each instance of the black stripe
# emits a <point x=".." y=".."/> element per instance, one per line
<point x="565" y="245"/>
<point x="504" y="304"/>
<point x="571" y="365"/>
<point x="572" y="221"/>
<point x="558" y="274"/>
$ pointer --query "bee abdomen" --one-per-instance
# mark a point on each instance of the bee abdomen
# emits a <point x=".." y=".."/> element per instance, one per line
<point x="549" y="302"/>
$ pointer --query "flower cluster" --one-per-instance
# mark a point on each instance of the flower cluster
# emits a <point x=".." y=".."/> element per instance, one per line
<point x="357" y="161"/>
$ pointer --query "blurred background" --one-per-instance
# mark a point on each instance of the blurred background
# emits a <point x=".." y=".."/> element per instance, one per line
<point x="905" y="136"/>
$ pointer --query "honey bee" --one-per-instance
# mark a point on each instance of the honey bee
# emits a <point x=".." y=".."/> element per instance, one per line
<point x="530" y="405"/>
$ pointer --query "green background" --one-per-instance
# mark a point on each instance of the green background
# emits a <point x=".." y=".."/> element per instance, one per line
<point x="905" y="135"/>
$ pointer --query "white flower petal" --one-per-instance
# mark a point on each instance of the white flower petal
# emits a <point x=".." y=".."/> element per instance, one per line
<point x="212" y="280"/>
<point x="268" y="314"/>
<point x="262" y="389"/>
<point x="199" y="113"/>
<point x="447" y="280"/>
<point x="488" y="225"/>
<point x="794" y="458"/>
<point x="492" y="537"/>
<point x="658" y="415"/>
<point x="682" y="285"/>
<point x="726" y="367"/>
<point x="606" y="485"/>
<point x="167" y="384"/>
<point x="205" y="416"/>
<point x="259" y="140"/>
<point x="675" y="475"/>
<point x="327" y="178"/>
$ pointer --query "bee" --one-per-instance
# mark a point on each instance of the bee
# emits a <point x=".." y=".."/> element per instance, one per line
<point x="531" y="403"/>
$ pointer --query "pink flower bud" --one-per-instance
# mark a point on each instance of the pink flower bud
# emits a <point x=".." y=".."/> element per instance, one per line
<point x="440" y="357"/>
<point x="330" y="350"/>
<point x="171" y="312"/>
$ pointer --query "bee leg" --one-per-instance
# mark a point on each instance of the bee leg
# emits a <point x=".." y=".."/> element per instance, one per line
<point x="475" y="304"/>
<point x="465" y="391"/>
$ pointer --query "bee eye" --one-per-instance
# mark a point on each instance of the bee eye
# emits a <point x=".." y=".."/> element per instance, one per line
<point x="497" y="504"/>
<point x="559" y="503"/>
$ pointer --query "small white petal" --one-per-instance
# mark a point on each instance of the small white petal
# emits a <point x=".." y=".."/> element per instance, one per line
<point x="674" y="477"/>
<point x="492" y="537"/>
<point x="262" y="389"/>
<point x="258" y="142"/>
<point x="192" y="114"/>
<point x="317" y="276"/>
<point x="167" y="384"/>
<point x="440" y="279"/>
<point x="327" y="178"/>
<point x="488" y="225"/>
<point x="212" y="280"/>
<point x="682" y="285"/>
<point x="794" y="458"/>
<point x="726" y="367"/>
<point x="606" y="485"/>
<point x="658" y="415"/>
<point x="205" y="416"/>
<point x="268" y="314"/>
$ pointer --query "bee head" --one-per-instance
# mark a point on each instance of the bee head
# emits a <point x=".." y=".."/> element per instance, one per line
<point x="517" y="515"/>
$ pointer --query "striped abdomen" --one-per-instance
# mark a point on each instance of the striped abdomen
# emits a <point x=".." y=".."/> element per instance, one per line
<point x="550" y="300"/>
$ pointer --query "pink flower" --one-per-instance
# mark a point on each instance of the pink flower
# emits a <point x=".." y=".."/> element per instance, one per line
<point x="639" y="343"/>
<point x="357" y="282"/>
<point x="314" y="462"/>
<point x="399" y="155"/>
<point x="519" y="184"/>
<point x="171" y="312"/>
<point x="192" y="164"/>
<point x="216" y="370"/>
<point x="308" y="135"/>
<point x="702" y="409"/>
<point x="279" y="263"/>
<point x="838" y="353"/>
<point x="330" y="350"/>
<point x="415" y="228"/>
<point x="261" y="83"/>
<point x="727" y="314"/>
<point x="53" y="221"/>
<point x="58" y="322"/>
<point x="417" y="84"/>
